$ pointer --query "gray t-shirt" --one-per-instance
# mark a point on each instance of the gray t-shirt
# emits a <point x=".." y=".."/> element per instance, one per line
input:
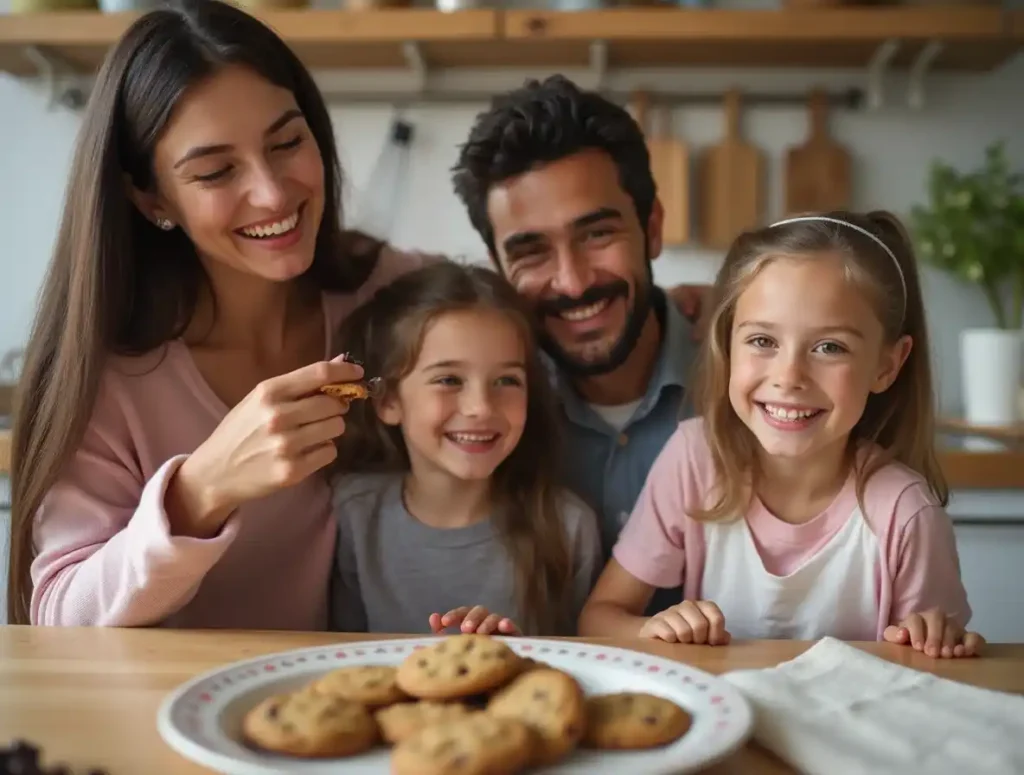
<point x="392" y="571"/>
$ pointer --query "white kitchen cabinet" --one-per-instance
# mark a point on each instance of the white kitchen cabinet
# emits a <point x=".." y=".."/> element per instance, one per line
<point x="990" y="540"/>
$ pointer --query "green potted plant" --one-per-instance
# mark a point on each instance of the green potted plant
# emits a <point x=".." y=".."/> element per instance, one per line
<point x="972" y="227"/>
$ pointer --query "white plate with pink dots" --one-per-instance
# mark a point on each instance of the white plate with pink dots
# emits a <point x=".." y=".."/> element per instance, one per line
<point x="202" y="719"/>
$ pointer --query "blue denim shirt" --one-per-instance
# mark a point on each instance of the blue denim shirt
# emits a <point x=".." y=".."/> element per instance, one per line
<point x="607" y="467"/>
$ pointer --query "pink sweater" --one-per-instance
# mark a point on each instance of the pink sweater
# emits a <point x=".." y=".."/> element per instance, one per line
<point x="104" y="553"/>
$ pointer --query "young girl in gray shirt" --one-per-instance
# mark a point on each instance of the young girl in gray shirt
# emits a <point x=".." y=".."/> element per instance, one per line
<point x="447" y="499"/>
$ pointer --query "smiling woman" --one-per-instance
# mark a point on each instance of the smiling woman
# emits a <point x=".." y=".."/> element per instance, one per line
<point x="170" y="435"/>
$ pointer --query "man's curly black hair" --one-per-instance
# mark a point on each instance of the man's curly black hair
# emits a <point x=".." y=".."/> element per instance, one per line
<point x="542" y="122"/>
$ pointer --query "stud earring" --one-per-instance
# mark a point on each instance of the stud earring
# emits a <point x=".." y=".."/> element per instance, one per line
<point x="164" y="224"/>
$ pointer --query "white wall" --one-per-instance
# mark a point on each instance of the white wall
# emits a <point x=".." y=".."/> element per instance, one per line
<point x="891" y="149"/>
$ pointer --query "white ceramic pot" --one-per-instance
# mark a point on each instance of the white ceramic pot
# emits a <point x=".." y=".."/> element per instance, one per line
<point x="991" y="362"/>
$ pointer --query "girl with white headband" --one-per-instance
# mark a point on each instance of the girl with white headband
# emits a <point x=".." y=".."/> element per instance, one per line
<point x="806" y="499"/>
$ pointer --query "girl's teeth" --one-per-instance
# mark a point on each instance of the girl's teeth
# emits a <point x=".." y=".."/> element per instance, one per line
<point x="273" y="229"/>
<point x="582" y="313"/>
<point x="472" y="438"/>
<point x="781" y="413"/>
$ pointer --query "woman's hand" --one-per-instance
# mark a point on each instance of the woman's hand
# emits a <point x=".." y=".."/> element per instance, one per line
<point x="935" y="634"/>
<point x="275" y="437"/>
<point x="476" y="619"/>
<point x="692" y="621"/>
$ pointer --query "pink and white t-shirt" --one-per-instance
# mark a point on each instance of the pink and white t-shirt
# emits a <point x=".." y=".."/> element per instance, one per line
<point x="849" y="572"/>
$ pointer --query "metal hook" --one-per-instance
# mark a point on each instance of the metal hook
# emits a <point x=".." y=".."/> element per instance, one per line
<point x="876" y="72"/>
<point x="915" y="89"/>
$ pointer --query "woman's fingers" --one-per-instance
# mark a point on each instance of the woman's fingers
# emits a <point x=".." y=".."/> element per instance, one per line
<point x="308" y="380"/>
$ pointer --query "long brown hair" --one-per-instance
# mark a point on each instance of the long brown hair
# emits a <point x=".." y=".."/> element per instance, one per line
<point x="900" y="421"/>
<point x="386" y="335"/>
<point x="118" y="285"/>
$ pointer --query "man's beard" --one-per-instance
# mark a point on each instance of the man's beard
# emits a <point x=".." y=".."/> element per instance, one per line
<point x="622" y="349"/>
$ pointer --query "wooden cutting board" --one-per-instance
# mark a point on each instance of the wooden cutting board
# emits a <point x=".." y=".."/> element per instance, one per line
<point x="731" y="183"/>
<point x="817" y="172"/>
<point x="670" y="165"/>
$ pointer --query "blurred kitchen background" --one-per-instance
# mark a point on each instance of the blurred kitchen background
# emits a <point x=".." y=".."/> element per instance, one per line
<point x="402" y="192"/>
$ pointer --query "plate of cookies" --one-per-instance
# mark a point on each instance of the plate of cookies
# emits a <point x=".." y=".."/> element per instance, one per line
<point x="463" y="704"/>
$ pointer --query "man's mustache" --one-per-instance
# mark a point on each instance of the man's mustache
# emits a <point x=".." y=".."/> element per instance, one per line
<point x="593" y="294"/>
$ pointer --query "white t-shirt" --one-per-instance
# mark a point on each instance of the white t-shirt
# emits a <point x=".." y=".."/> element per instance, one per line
<point x="617" y="416"/>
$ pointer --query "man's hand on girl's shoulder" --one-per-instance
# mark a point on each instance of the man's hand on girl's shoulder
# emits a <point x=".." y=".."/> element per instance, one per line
<point x="692" y="302"/>
<point x="473" y="619"/>
<point x="692" y="621"/>
<point x="934" y="634"/>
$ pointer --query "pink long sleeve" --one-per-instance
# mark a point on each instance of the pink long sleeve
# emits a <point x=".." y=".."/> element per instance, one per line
<point x="108" y="556"/>
<point x="104" y="554"/>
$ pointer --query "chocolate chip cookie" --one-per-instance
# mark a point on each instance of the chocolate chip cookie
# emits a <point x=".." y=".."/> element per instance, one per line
<point x="398" y="722"/>
<point x="480" y="744"/>
<point x="633" y="720"/>
<point x="457" y="666"/>
<point x="309" y="724"/>
<point x="371" y="685"/>
<point x="551" y="703"/>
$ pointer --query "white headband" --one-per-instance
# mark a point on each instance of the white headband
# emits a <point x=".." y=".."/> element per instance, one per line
<point x="865" y="232"/>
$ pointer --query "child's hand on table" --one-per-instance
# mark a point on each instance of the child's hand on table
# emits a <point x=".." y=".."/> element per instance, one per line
<point x="935" y="634"/>
<point x="692" y="621"/>
<point x="473" y="619"/>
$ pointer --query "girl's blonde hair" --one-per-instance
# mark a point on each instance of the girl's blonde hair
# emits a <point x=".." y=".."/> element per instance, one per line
<point x="386" y="335"/>
<point x="900" y="421"/>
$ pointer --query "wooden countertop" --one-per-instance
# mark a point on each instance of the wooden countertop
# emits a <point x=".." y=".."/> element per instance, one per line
<point x="89" y="696"/>
<point x="964" y="469"/>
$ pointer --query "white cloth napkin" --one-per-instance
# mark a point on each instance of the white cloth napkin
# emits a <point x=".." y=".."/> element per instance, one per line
<point x="836" y="710"/>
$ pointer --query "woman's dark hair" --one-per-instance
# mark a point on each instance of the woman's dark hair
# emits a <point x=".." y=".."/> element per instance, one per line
<point x="116" y="284"/>
<point x="542" y="122"/>
<point x="386" y="335"/>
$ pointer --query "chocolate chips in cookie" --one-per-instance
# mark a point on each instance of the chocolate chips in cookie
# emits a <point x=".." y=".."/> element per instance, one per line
<point x="480" y="744"/>
<point x="633" y="720"/>
<point x="374" y="686"/>
<point x="405" y="719"/>
<point x="459" y="666"/>
<point x="309" y="724"/>
<point x="551" y="703"/>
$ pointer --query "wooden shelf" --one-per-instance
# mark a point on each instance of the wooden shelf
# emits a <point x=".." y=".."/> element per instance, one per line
<point x="322" y="39"/>
<point x="974" y="38"/>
